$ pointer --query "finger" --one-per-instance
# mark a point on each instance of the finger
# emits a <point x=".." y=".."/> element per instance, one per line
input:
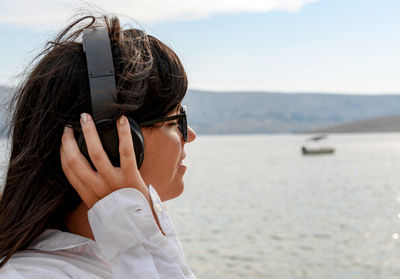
<point x="81" y="168"/>
<point x="126" y="148"/>
<point x="95" y="148"/>
<point x="74" y="159"/>
<point x="76" y="183"/>
<point x="88" y="196"/>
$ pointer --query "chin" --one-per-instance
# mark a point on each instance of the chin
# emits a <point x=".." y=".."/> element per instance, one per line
<point x="175" y="192"/>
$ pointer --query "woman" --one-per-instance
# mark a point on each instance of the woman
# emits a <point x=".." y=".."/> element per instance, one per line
<point x="59" y="217"/>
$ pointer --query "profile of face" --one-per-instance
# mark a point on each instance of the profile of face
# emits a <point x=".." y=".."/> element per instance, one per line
<point x="163" y="165"/>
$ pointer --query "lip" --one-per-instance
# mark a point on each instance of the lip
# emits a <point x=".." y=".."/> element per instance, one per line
<point x="181" y="164"/>
<point x="182" y="168"/>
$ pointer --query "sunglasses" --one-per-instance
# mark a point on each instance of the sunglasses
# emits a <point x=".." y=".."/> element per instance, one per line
<point x="182" y="122"/>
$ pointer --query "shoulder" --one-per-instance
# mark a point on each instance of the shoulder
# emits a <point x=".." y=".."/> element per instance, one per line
<point x="34" y="264"/>
<point x="9" y="272"/>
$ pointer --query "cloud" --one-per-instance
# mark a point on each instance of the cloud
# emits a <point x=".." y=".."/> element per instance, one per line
<point x="44" y="13"/>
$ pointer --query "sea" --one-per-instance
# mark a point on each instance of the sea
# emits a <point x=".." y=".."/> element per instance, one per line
<point x="254" y="207"/>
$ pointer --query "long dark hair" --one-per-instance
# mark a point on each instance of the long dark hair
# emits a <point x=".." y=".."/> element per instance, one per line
<point x="151" y="82"/>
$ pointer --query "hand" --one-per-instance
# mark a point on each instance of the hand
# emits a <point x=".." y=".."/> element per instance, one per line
<point x="91" y="185"/>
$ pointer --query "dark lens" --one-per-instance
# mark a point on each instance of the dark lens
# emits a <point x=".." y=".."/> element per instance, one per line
<point x="183" y="124"/>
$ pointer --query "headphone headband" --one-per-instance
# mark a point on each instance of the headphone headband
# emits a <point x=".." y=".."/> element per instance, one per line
<point x="103" y="90"/>
<point x="103" y="93"/>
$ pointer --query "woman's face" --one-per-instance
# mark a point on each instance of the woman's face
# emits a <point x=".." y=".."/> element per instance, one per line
<point x="163" y="154"/>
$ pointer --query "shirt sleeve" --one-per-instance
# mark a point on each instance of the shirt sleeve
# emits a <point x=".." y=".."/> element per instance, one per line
<point x="129" y="240"/>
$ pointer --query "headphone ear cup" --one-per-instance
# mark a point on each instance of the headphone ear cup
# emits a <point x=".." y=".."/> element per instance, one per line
<point x="109" y="139"/>
<point x="138" y="141"/>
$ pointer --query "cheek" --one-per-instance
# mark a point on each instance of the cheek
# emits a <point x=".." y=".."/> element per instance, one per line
<point x="161" y="158"/>
<point x="168" y="158"/>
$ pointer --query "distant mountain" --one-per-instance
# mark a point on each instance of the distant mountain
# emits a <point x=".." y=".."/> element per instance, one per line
<point x="374" y="125"/>
<point x="5" y="94"/>
<point x="261" y="112"/>
<point x="265" y="112"/>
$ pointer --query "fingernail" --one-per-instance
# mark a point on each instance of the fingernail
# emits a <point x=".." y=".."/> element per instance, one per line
<point x="66" y="128"/>
<point x="84" y="117"/>
<point x="121" y="120"/>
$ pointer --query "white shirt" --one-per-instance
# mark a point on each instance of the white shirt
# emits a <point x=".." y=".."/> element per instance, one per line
<point x="128" y="244"/>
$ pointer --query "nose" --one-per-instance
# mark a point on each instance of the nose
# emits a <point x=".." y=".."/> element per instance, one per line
<point x="191" y="136"/>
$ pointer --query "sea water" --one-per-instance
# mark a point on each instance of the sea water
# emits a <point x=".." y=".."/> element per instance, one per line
<point x="255" y="207"/>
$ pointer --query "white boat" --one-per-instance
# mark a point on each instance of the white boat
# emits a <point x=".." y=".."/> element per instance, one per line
<point x="314" y="147"/>
<point x="317" y="151"/>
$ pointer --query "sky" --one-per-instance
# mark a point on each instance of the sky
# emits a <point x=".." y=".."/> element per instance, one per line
<point x="316" y="46"/>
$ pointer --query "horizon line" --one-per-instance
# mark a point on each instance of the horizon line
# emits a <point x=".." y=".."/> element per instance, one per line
<point x="267" y="91"/>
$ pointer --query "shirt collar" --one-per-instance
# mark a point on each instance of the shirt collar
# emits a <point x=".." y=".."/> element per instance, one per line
<point x="54" y="240"/>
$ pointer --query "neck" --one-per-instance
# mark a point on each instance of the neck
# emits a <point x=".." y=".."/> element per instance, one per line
<point x="77" y="221"/>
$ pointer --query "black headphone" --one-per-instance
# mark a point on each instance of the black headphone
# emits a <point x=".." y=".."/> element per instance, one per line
<point x="103" y="93"/>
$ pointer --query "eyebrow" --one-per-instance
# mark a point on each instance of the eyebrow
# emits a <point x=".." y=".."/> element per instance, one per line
<point x="163" y="119"/>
